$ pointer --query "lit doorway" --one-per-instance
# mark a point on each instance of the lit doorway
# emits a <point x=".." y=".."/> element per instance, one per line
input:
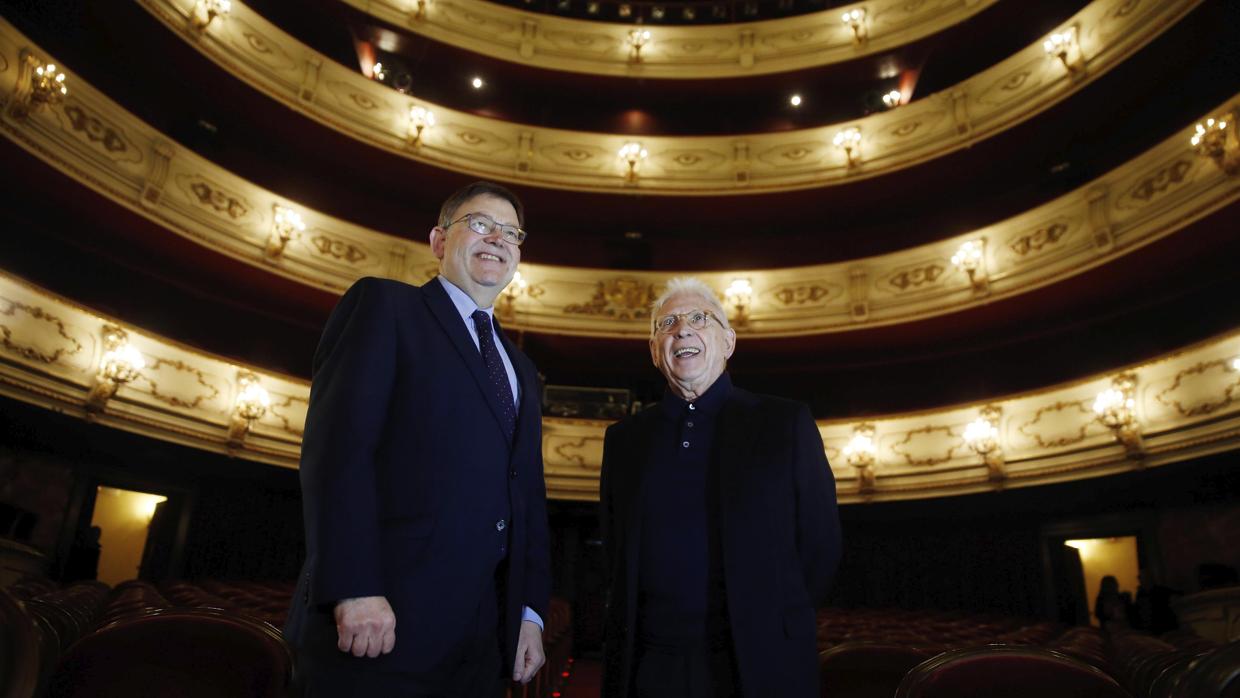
<point x="1100" y="557"/>
<point x="124" y="520"/>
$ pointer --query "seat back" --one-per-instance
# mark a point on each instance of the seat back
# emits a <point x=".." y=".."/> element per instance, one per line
<point x="20" y="648"/>
<point x="1212" y="675"/>
<point x="866" y="669"/>
<point x="1012" y="672"/>
<point x="178" y="653"/>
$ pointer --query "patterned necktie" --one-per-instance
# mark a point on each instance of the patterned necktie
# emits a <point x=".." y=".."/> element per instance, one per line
<point x="495" y="371"/>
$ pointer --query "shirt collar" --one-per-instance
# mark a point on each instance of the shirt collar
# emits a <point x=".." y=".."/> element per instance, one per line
<point x="464" y="304"/>
<point x="707" y="405"/>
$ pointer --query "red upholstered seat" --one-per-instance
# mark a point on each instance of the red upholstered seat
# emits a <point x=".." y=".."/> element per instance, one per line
<point x="20" y="648"/>
<point x="1011" y="672"/>
<point x="1212" y="675"/>
<point x="866" y="669"/>
<point x="184" y="653"/>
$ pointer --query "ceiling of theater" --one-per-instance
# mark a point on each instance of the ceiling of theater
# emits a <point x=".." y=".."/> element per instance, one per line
<point x="1122" y="307"/>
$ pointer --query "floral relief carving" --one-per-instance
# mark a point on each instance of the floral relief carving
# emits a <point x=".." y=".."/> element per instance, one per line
<point x="925" y="440"/>
<point x="210" y="392"/>
<point x="801" y="295"/>
<point x="1161" y="181"/>
<point x="211" y="196"/>
<point x="574" y="451"/>
<point x="95" y="129"/>
<point x="363" y="101"/>
<point x="290" y="412"/>
<point x="1076" y="413"/>
<point x="339" y="249"/>
<point x="623" y="298"/>
<point x="1199" y="389"/>
<point x="916" y="277"/>
<point x="1042" y="237"/>
<point x="29" y="351"/>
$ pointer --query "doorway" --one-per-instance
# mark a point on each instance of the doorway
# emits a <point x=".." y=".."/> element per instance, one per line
<point x="123" y="518"/>
<point x="1101" y="557"/>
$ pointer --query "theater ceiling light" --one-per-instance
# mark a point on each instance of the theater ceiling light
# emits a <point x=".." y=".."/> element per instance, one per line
<point x="1217" y="139"/>
<point x="632" y="153"/>
<point x="285" y="223"/>
<point x="377" y="73"/>
<point x="477" y="83"/>
<point x="795" y="100"/>
<point x="971" y="259"/>
<point x="38" y="84"/>
<point x="205" y="12"/>
<point x="849" y="141"/>
<point x="854" y="19"/>
<point x="119" y="364"/>
<point x="1063" y="46"/>
<point x="1116" y="408"/>
<point x="420" y="119"/>
<point x="251" y="404"/>
<point x="739" y="298"/>
<point x="892" y="99"/>
<point x="637" y="40"/>
<point x="982" y="435"/>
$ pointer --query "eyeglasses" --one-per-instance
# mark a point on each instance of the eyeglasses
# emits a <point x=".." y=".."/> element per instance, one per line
<point x="485" y="225"/>
<point x="696" y="319"/>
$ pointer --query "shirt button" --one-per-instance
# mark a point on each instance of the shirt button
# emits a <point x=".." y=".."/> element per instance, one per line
<point x="692" y="406"/>
<point x="685" y="444"/>
<point x="689" y="424"/>
<point x="500" y="525"/>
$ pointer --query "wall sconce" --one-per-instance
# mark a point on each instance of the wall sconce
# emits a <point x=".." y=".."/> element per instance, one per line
<point x="1217" y="139"/>
<point x="508" y="297"/>
<point x="739" y="297"/>
<point x="849" y="140"/>
<point x="971" y="258"/>
<point x="1235" y="364"/>
<point x="205" y="12"/>
<point x="420" y="119"/>
<point x="636" y="40"/>
<point x="252" y="403"/>
<point x="854" y="19"/>
<point x="1116" y="408"/>
<point x="860" y="453"/>
<point x="119" y="365"/>
<point x="982" y="435"/>
<point x="377" y="73"/>
<point x="1063" y="45"/>
<point x="420" y="13"/>
<point x="38" y="84"/>
<point x="632" y="153"/>
<point x="284" y="224"/>
<point x="892" y="99"/>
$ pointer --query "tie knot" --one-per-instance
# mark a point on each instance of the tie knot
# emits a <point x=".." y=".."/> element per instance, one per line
<point x="482" y="322"/>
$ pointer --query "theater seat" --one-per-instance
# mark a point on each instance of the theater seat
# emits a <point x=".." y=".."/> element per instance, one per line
<point x="19" y="650"/>
<point x="1011" y="672"/>
<point x="1213" y="675"/>
<point x="866" y="669"/>
<point x="182" y="653"/>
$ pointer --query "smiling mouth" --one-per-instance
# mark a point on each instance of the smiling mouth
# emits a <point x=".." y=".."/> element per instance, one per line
<point x="686" y="352"/>
<point x="488" y="257"/>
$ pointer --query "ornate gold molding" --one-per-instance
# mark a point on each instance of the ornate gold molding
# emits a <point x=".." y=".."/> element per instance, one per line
<point x="1187" y="405"/>
<point x="1150" y="197"/>
<point x="674" y="52"/>
<point x="1016" y="89"/>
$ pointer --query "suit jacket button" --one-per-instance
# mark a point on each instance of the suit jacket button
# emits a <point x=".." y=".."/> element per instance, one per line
<point x="512" y="474"/>
<point x="500" y="525"/>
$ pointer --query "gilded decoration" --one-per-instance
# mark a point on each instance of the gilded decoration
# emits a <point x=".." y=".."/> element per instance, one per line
<point x="807" y="294"/>
<point x="1201" y="389"/>
<point x="929" y="445"/>
<point x="1161" y="181"/>
<point x="1047" y="235"/>
<point x="213" y="197"/>
<point x="1062" y="423"/>
<point x="916" y="277"/>
<point x="987" y="103"/>
<point x="97" y="131"/>
<point x="176" y="392"/>
<point x="1051" y="443"/>
<point x="340" y="249"/>
<point x="623" y="298"/>
<point x="27" y="349"/>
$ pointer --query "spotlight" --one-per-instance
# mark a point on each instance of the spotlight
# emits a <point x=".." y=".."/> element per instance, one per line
<point x="795" y="100"/>
<point x="477" y="83"/>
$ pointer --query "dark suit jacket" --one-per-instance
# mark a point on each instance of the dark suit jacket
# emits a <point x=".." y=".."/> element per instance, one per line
<point x="780" y="540"/>
<point x="405" y="472"/>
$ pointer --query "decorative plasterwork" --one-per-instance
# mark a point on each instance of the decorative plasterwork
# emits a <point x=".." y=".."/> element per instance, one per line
<point x="676" y="52"/>
<point x="998" y="98"/>
<point x="1187" y="404"/>
<point x="1154" y="195"/>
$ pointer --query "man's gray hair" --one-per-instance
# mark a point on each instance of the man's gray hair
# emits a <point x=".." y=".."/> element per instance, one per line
<point x="690" y="285"/>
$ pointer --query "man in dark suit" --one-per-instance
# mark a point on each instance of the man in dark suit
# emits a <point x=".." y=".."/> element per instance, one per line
<point x="427" y="568"/>
<point x="720" y="526"/>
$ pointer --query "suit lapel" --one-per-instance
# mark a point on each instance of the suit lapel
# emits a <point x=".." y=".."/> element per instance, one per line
<point x="450" y="320"/>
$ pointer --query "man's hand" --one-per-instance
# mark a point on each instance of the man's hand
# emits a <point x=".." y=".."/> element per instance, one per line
<point x="366" y="626"/>
<point x="529" y="652"/>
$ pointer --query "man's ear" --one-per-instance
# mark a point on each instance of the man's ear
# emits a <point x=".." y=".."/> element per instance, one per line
<point x="438" y="236"/>
<point x="730" y="343"/>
